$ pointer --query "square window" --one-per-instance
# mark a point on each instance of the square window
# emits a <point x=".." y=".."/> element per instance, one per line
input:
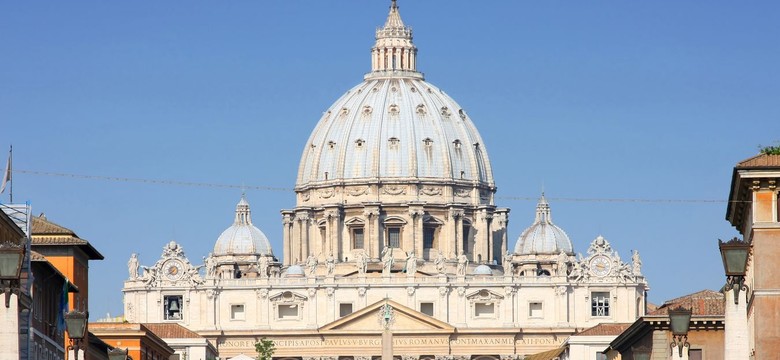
<point x="695" y="354"/>
<point x="288" y="311"/>
<point x="237" y="312"/>
<point x="601" y="356"/>
<point x="535" y="309"/>
<point x="599" y="304"/>
<point x="172" y="307"/>
<point x="426" y="308"/>
<point x="482" y="310"/>
<point x="345" y="309"/>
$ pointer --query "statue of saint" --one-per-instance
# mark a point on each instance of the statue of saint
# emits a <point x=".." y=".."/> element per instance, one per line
<point x="330" y="264"/>
<point x="387" y="261"/>
<point x="411" y="264"/>
<point x="262" y="266"/>
<point x="211" y="266"/>
<point x="563" y="264"/>
<point x="362" y="263"/>
<point x="439" y="262"/>
<point x="463" y="263"/>
<point x="311" y="265"/>
<point x="507" y="263"/>
<point x="132" y="266"/>
<point x="636" y="264"/>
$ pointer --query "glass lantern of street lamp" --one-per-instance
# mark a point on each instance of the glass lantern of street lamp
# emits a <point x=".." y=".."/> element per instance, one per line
<point x="641" y="353"/>
<point x="117" y="354"/>
<point x="11" y="257"/>
<point x="679" y="324"/>
<point x="735" y="254"/>
<point x="76" y="324"/>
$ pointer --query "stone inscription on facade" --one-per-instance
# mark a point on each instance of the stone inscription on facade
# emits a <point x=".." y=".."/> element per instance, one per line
<point x="483" y="341"/>
<point x="298" y="343"/>
<point x="540" y="341"/>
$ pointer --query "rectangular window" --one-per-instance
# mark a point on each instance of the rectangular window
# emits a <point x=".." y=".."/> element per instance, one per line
<point x="288" y="311"/>
<point x="601" y="356"/>
<point x="237" y="312"/>
<point x="357" y="238"/>
<point x="428" y="236"/>
<point x="484" y="310"/>
<point x="599" y="304"/>
<point x="466" y="234"/>
<point x="426" y="308"/>
<point x="345" y="309"/>
<point x="172" y="307"/>
<point x="394" y="237"/>
<point x="535" y="309"/>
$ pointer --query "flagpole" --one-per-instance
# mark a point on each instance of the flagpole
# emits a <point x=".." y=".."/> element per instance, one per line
<point x="11" y="171"/>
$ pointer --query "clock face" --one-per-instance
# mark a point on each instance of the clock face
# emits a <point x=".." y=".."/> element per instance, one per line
<point x="173" y="270"/>
<point x="600" y="266"/>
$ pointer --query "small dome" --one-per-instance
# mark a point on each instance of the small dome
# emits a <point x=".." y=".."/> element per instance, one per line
<point x="543" y="237"/>
<point x="483" y="270"/>
<point x="294" y="271"/>
<point x="242" y="238"/>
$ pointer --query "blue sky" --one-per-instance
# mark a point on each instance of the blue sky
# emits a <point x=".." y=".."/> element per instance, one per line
<point x="588" y="100"/>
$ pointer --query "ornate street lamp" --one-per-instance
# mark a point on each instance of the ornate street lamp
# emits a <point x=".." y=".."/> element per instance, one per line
<point x="735" y="254"/>
<point x="76" y="325"/>
<point x="11" y="256"/>
<point x="117" y="354"/>
<point x="679" y="323"/>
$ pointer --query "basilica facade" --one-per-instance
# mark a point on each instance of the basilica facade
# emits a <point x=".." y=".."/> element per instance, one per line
<point x="394" y="231"/>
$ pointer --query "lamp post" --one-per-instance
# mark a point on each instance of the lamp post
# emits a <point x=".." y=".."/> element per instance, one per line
<point x="76" y="325"/>
<point x="734" y="254"/>
<point x="679" y="323"/>
<point x="11" y="256"/>
<point x="117" y="354"/>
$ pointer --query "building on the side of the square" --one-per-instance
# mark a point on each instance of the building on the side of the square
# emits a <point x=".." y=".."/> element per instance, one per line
<point x="15" y="320"/>
<point x="394" y="227"/>
<point x="752" y="330"/>
<point x="70" y="255"/>
<point x="48" y="332"/>
<point x="650" y="334"/>
<point x="140" y="342"/>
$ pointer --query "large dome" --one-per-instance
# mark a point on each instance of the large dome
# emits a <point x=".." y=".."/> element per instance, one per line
<point x="242" y="238"/>
<point x="394" y="126"/>
<point x="543" y="237"/>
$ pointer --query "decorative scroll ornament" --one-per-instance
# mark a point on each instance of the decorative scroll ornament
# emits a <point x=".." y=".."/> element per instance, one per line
<point x="461" y="192"/>
<point x="431" y="190"/>
<point x="603" y="264"/>
<point x="326" y="193"/>
<point x="394" y="189"/>
<point x="358" y="191"/>
<point x="386" y="315"/>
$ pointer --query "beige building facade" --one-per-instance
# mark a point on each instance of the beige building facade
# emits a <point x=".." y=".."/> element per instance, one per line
<point x="394" y="231"/>
<point x="751" y="321"/>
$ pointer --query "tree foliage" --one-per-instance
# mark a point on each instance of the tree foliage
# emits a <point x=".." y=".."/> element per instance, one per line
<point x="770" y="149"/>
<point x="265" y="349"/>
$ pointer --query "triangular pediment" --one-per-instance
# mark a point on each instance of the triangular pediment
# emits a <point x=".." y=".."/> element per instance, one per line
<point x="369" y="320"/>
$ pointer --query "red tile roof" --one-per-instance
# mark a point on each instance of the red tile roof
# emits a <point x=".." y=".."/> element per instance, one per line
<point x="42" y="226"/>
<point x="761" y="160"/>
<point x="605" y="329"/>
<point x="702" y="303"/>
<point x="171" y="331"/>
